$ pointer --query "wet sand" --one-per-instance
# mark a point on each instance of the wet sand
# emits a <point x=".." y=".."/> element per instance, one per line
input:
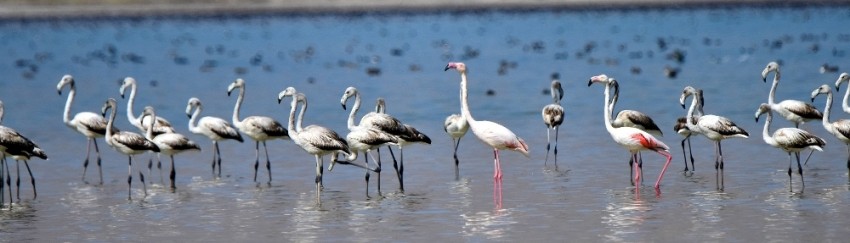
<point x="104" y="8"/>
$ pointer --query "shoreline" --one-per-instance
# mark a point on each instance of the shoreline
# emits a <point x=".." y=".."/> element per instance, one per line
<point x="159" y="8"/>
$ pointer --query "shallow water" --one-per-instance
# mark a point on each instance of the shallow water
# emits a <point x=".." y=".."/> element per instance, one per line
<point x="587" y="197"/>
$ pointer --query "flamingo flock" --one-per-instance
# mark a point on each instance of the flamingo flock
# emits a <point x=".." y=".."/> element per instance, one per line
<point x="634" y="131"/>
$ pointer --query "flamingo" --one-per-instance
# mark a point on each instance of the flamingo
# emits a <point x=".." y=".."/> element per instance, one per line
<point x="553" y="116"/>
<point x="313" y="139"/>
<point x="790" y="140"/>
<point x="493" y="134"/>
<point x="259" y="128"/>
<point x="796" y="111"/>
<point x="841" y="128"/>
<point x="456" y="126"/>
<point x="631" y="118"/>
<point x="713" y="127"/>
<point x="128" y="143"/>
<point x="161" y="126"/>
<point x="169" y="144"/>
<point x="632" y="139"/>
<point x="89" y="124"/>
<point x="844" y="77"/>
<point x="681" y="128"/>
<point x="404" y="134"/>
<point x="19" y="148"/>
<point x="364" y="137"/>
<point x="216" y="129"/>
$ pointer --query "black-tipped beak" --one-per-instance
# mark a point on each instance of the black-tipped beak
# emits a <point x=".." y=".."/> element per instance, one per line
<point x="813" y="99"/>
<point x="757" y="119"/>
<point x="683" y="106"/>
<point x="836" y="88"/>
<point x="589" y="82"/>
<point x="228" y="93"/>
<point x="447" y="68"/>
<point x="122" y="96"/>
<point x="189" y="115"/>
<point x="343" y="107"/>
<point x="764" y="79"/>
<point x="279" y="100"/>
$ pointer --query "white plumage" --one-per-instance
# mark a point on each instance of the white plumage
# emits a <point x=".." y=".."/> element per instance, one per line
<point x="161" y="126"/>
<point x="553" y="116"/>
<point x="456" y="126"/>
<point x="128" y="143"/>
<point x="259" y="128"/>
<point x="90" y="124"/>
<point x="840" y="128"/>
<point x="845" y="104"/>
<point x="631" y="118"/>
<point x="796" y="111"/>
<point x="790" y="140"/>
<point x="169" y="144"/>
<point x="214" y="128"/>
<point x="19" y="148"/>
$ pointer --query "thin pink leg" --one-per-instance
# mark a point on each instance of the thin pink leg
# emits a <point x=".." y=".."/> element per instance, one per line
<point x="661" y="176"/>
<point x="497" y="174"/>
<point x="497" y="194"/>
<point x="637" y="171"/>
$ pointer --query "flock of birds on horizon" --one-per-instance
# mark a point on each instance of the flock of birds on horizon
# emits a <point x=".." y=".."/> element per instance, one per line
<point x="633" y="130"/>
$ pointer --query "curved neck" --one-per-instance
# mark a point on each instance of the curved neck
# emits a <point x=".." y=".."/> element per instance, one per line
<point x="354" y="110"/>
<point x="689" y="118"/>
<point x="770" y="98"/>
<point x="149" y="132"/>
<point x="828" y="107"/>
<point x="555" y="95"/>
<point x="290" y="128"/>
<point x="301" y="114"/>
<point x="130" y="115"/>
<point x="109" y="125"/>
<point x="464" y="99"/>
<point x="193" y="125"/>
<point x="66" y="117"/>
<point x="844" y="105"/>
<point x="765" y="133"/>
<point x="238" y="106"/>
<point x="606" y="109"/>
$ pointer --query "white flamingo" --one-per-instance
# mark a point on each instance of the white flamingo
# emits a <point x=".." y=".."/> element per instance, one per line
<point x="790" y="140"/>
<point x="128" y="143"/>
<point x="365" y="137"/>
<point x="169" y="144"/>
<point x="216" y="129"/>
<point x="796" y="111"/>
<point x="19" y="148"/>
<point x="313" y="139"/>
<point x="493" y="134"/>
<point x="713" y="127"/>
<point x="681" y="128"/>
<point x="631" y="118"/>
<point x="553" y="116"/>
<point x="632" y="139"/>
<point x="259" y="128"/>
<point x="456" y="126"/>
<point x="404" y="134"/>
<point x="841" y="128"/>
<point x="89" y="124"/>
<point x="161" y="126"/>
<point x="844" y="77"/>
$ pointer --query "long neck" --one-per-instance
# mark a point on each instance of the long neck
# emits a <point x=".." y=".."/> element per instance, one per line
<point x="193" y="125"/>
<point x="828" y="107"/>
<point x="606" y="111"/>
<point x="689" y="118"/>
<point x="555" y="95"/>
<point x="301" y="114"/>
<point x="612" y="104"/>
<point x="238" y="106"/>
<point x="290" y="128"/>
<point x="464" y="99"/>
<point x="66" y="117"/>
<point x="844" y="105"/>
<point x="354" y="110"/>
<point x="765" y="133"/>
<point x="770" y="98"/>
<point x="130" y="115"/>
<point x="109" y="125"/>
<point x="149" y="132"/>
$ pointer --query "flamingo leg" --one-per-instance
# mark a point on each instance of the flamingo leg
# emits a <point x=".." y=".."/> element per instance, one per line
<point x="318" y="180"/>
<point x="639" y="160"/>
<point x="379" y="170"/>
<point x="498" y="166"/>
<point x="848" y="157"/>
<point x="631" y="168"/>
<point x="398" y="170"/>
<point x="548" y="143"/>
<point x="720" y="152"/>
<point x="86" y="162"/>
<point x="18" y="180"/>
<point x="693" y="168"/>
<point x="218" y="154"/>
<point x="685" y="153"/>
<point x="129" y="177"/>
<point x="215" y="155"/>
<point x="637" y="171"/>
<point x="159" y="167"/>
<point x="790" y="182"/>
<point x="556" y="145"/>
<point x="663" y="169"/>
<point x="800" y="171"/>
<point x="8" y="180"/>
<point x="457" y="162"/>
<point x="2" y="187"/>
<point x="173" y="174"/>
<point x="809" y="157"/>
<point x="268" y="161"/>
<point x="257" y="159"/>
<point x="99" y="168"/>
<point x="150" y="165"/>
<point x="367" y="172"/>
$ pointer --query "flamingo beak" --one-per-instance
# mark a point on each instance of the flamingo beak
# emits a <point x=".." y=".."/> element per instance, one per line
<point x="589" y="82"/>
<point x="343" y="107"/>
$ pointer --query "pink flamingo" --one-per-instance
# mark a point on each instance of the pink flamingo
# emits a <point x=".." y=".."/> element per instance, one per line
<point x="497" y="136"/>
<point x="633" y="139"/>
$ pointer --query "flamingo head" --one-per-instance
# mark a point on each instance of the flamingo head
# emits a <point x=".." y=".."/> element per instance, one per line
<point x="688" y="91"/>
<point x="193" y="102"/>
<point x="66" y="80"/>
<point x="602" y="78"/>
<point x="763" y="108"/>
<point x="289" y="91"/>
<point x="128" y="82"/>
<point x="823" y="89"/>
<point x="349" y="92"/>
<point x="109" y="104"/>
<point x="844" y="77"/>
<point x="556" y="87"/>
<point x="239" y="83"/>
<point x="771" y="67"/>
<point x="459" y="66"/>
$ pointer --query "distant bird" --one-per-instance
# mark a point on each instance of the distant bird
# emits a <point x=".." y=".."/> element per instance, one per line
<point x="314" y="139"/>
<point x="90" y="124"/>
<point x="259" y="128"/>
<point x="553" y="116"/>
<point x="161" y="126"/>
<point x="790" y="140"/>
<point x="456" y="126"/>
<point x="493" y="134"/>
<point x="404" y="134"/>
<point x="19" y="148"/>
<point x="795" y="111"/>
<point x="841" y="128"/>
<point x="632" y="139"/>
<point x="844" y="77"/>
<point x="681" y="128"/>
<point x="169" y="144"/>
<point x="713" y="127"/>
<point x="126" y="143"/>
<point x="631" y="118"/>
<point x="216" y="129"/>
